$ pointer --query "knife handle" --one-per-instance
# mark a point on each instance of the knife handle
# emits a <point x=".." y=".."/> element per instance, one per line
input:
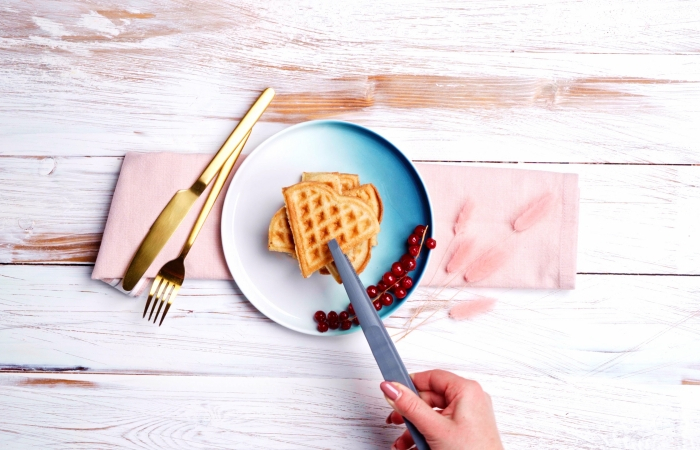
<point x="213" y="195"/>
<point x="237" y="135"/>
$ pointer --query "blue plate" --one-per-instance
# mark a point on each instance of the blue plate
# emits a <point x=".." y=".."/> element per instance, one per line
<point x="272" y="281"/>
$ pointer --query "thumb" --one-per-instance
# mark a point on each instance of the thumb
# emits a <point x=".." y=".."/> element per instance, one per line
<point x="412" y="407"/>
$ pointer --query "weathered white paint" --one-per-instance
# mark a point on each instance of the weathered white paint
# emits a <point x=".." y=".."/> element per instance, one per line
<point x="632" y="327"/>
<point x="135" y="412"/>
<point x="506" y="81"/>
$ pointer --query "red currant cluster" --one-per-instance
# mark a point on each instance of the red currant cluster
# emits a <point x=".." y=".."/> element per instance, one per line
<point x="395" y="281"/>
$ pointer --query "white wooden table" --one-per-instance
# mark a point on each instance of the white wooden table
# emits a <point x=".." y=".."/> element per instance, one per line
<point x="607" y="90"/>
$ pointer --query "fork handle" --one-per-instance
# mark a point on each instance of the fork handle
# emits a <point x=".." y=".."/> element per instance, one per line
<point x="213" y="195"/>
<point x="236" y="137"/>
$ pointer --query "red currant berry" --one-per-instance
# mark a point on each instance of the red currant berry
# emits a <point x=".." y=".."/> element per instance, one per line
<point x="351" y="310"/>
<point x="400" y="292"/>
<point x="377" y="305"/>
<point x="413" y="250"/>
<point x="413" y="239"/>
<point x="332" y="316"/>
<point x="355" y="320"/>
<point x="405" y="257"/>
<point x="389" y="279"/>
<point x="345" y="325"/>
<point x="430" y="243"/>
<point x="381" y="286"/>
<point x="320" y="316"/>
<point x="343" y="316"/>
<point x="410" y="265"/>
<point x="333" y="324"/>
<point x="372" y="291"/>
<point x="322" y="327"/>
<point x="419" y="230"/>
<point x="386" y="299"/>
<point x="397" y="269"/>
<point x="407" y="282"/>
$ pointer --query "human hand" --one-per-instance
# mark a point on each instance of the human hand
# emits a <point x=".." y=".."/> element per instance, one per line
<point x="464" y="418"/>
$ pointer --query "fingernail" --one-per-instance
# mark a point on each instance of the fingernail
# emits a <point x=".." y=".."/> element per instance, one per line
<point x="390" y="391"/>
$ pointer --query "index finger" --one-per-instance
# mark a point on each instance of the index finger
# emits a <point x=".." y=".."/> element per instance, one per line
<point x="441" y="382"/>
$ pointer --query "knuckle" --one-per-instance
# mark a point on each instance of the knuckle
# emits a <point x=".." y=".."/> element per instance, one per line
<point x="441" y="372"/>
<point x="473" y="387"/>
<point x="473" y="390"/>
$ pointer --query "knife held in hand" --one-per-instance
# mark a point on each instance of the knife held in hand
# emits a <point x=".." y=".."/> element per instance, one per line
<point x="380" y="342"/>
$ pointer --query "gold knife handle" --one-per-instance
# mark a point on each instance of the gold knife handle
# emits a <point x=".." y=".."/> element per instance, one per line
<point x="236" y="137"/>
<point x="213" y="194"/>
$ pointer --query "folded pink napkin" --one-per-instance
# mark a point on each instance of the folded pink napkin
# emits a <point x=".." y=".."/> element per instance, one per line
<point x="507" y="228"/>
<point x="494" y="227"/>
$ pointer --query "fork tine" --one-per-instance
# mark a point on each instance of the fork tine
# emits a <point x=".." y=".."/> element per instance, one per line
<point x="173" y="294"/>
<point x="162" y="287"/>
<point x="166" y="294"/>
<point x="154" y="287"/>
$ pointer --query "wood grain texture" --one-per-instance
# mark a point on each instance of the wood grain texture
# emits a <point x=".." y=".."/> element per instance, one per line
<point x="642" y="328"/>
<point x="136" y="412"/>
<point x="613" y="364"/>
<point x="634" y="219"/>
<point x="88" y="79"/>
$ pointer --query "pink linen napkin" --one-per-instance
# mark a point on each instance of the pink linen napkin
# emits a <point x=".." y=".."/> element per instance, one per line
<point x="138" y="200"/>
<point x="504" y="228"/>
<point x="492" y="249"/>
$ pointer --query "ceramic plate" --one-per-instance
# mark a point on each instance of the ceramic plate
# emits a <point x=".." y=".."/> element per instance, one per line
<point x="272" y="281"/>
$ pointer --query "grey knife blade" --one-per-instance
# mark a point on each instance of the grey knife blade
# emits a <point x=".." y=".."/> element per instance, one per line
<point x="383" y="349"/>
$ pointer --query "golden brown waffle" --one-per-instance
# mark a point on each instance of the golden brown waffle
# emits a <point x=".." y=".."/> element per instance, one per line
<point x="348" y="181"/>
<point x="330" y="179"/>
<point x="279" y="235"/>
<point x="359" y="258"/>
<point x="280" y="240"/>
<point x="318" y="214"/>
<point x="369" y="194"/>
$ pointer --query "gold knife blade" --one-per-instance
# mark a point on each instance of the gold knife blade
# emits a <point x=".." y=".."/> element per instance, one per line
<point x="178" y="207"/>
<point x="161" y="230"/>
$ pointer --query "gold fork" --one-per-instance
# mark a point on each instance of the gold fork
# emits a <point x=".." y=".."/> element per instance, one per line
<point x="167" y="283"/>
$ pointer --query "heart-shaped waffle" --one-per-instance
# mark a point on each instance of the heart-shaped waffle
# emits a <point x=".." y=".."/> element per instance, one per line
<point x="318" y="214"/>
<point x="345" y="181"/>
<point x="279" y="238"/>
<point x="368" y="193"/>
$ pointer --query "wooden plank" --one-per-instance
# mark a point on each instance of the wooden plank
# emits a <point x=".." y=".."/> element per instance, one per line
<point x="643" y="328"/>
<point x="90" y="80"/>
<point x="556" y="26"/>
<point x="556" y="114"/>
<point x="100" y="411"/>
<point x="634" y="219"/>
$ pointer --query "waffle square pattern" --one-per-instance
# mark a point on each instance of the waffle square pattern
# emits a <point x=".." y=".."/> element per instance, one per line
<point x="317" y="214"/>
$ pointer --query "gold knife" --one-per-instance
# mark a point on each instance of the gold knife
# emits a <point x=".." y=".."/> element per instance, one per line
<point x="178" y="206"/>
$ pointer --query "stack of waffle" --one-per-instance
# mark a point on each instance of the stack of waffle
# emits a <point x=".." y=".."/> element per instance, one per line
<point x="322" y="207"/>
